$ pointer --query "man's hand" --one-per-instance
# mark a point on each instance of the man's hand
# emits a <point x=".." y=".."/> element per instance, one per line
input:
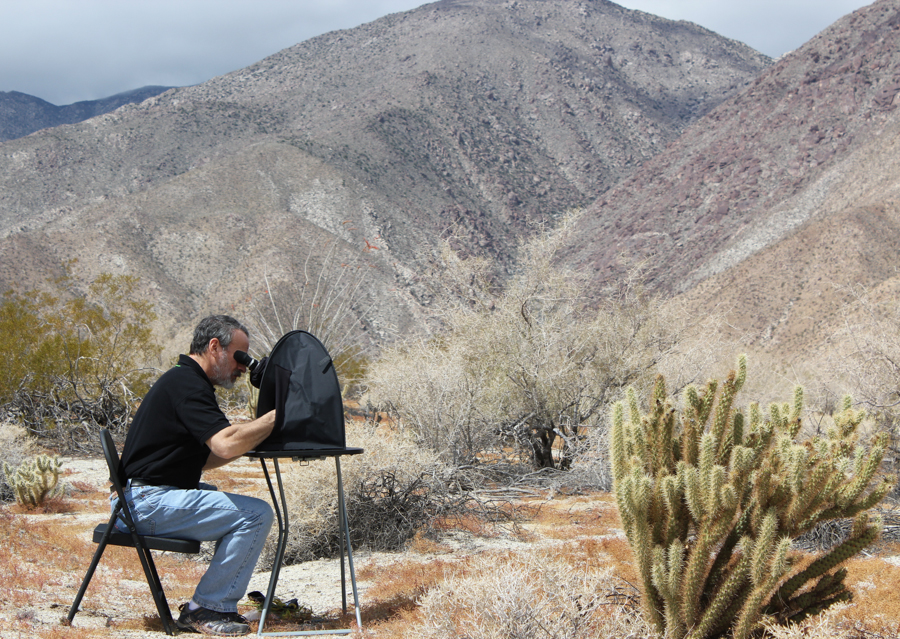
<point x="235" y="440"/>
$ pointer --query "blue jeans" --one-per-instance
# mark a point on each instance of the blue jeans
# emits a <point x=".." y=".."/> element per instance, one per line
<point x="237" y="523"/>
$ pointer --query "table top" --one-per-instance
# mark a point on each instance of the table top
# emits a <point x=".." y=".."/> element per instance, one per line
<point x="304" y="453"/>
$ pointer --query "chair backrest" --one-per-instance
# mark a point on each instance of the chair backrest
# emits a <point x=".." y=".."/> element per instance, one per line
<point x="115" y="475"/>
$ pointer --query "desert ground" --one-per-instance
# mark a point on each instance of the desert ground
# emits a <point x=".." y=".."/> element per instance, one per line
<point x="45" y="553"/>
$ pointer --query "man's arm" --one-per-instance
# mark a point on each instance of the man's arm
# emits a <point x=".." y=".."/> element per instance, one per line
<point x="235" y="440"/>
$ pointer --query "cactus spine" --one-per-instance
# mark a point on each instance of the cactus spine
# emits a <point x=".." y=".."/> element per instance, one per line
<point x="711" y="496"/>
<point x="34" y="481"/>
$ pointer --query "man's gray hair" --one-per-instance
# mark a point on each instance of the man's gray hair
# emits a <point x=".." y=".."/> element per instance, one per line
<point x="222" y="327"/>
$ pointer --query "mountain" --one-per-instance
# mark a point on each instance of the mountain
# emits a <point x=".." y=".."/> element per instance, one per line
<point x="475" y="117"/>
<point x="773" y="204"/>
<point x="21" y="114"/>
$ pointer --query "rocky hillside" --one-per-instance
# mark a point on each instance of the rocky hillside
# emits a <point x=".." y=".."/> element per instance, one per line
<point x="478" y="116"/>
<point x="21" y="114"/>
<point x="784" y="194"/>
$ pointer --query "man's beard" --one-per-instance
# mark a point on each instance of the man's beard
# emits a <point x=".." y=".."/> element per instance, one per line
<point x="221" y="375"/>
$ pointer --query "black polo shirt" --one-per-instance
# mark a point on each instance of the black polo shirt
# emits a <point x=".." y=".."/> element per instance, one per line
<point x="166" y="443"/>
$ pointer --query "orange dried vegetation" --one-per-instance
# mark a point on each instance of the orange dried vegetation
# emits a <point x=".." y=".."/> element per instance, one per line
<point x="876" y="598"/>
<point x="35" y="555"/>
<point x="391" y="600"/>
<point x="243" y="476"/>
<point x="43" y="562"/>
<point x="590" y="515"/>
<point x="465" y="523"/>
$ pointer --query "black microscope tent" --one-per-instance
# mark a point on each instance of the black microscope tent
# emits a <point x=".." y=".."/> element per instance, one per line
<point x="300" y="382"/>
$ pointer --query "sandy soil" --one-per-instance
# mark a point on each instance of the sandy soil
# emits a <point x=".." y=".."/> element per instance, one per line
<point x="124" y="605"/>
<point x="315" y="584"/>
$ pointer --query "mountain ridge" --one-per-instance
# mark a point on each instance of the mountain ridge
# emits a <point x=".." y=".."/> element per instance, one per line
<point x="486" y="117"/>
<point x="22" y="114"/>
<point x="739" y="163"/>
<point x="812" y="141"/>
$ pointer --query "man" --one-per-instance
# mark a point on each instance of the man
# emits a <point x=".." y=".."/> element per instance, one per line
<point x="178" y="432"/>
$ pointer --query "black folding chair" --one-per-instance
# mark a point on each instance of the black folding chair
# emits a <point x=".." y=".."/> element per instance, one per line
<point x="107" y="533"/>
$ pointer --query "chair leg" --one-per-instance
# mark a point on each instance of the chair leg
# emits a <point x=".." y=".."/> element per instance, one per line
<point x="153" y="580"/>
<point x="101" y="546"/>
<point x="156" y="589"/>
<point x="87" y="579"/>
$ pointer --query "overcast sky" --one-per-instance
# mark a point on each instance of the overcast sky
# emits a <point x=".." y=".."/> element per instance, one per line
<point x="69" y="50"/>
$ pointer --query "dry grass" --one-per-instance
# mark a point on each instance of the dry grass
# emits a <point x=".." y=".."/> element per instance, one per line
<point x="80" y="489"/>
<point x="515" y="594"/>
<point x="389" y="493"/>
<point x="393" y="601"/>
<point x="876" y="601"/>
<point x="587" y="515"/>
<point x="44" y="558"/>
<point x="577" y="560"/>
<point x="424" y="545"/>
<point x="234" y="478"/>
<point x="567" y="574"/>
<point x="54" y="506"/>
<point x="31" y="548"/>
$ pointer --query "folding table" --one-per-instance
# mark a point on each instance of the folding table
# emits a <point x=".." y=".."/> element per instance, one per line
<point x="281" y="514"/>
<point x="299" y="381"/>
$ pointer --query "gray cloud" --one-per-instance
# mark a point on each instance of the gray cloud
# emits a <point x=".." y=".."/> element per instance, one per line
<point x="65" y="51"/>
<point x="773" y="27"/>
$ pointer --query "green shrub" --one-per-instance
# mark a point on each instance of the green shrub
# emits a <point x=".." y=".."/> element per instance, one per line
<point x="31" y="350"/>
<point x="711" y="497"/>
<point x="75" y="363"/>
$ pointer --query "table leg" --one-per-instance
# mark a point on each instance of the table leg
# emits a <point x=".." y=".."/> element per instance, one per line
<point x="345" y="539"/>
<point x="281" y="516"/>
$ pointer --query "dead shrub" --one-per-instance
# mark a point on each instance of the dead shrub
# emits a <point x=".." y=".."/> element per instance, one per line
<point x="523" y="362"/>
<point x="393" y="490"/>
<point x="529" y="594"/>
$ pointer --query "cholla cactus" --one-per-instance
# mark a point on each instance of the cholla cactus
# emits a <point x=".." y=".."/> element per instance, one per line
<point x="35" y="480"/>
<point x="711" y="497"/>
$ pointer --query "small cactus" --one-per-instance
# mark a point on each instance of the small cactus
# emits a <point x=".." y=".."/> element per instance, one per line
<point x="35" y="481"/>
<point x="710" y="498"/>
